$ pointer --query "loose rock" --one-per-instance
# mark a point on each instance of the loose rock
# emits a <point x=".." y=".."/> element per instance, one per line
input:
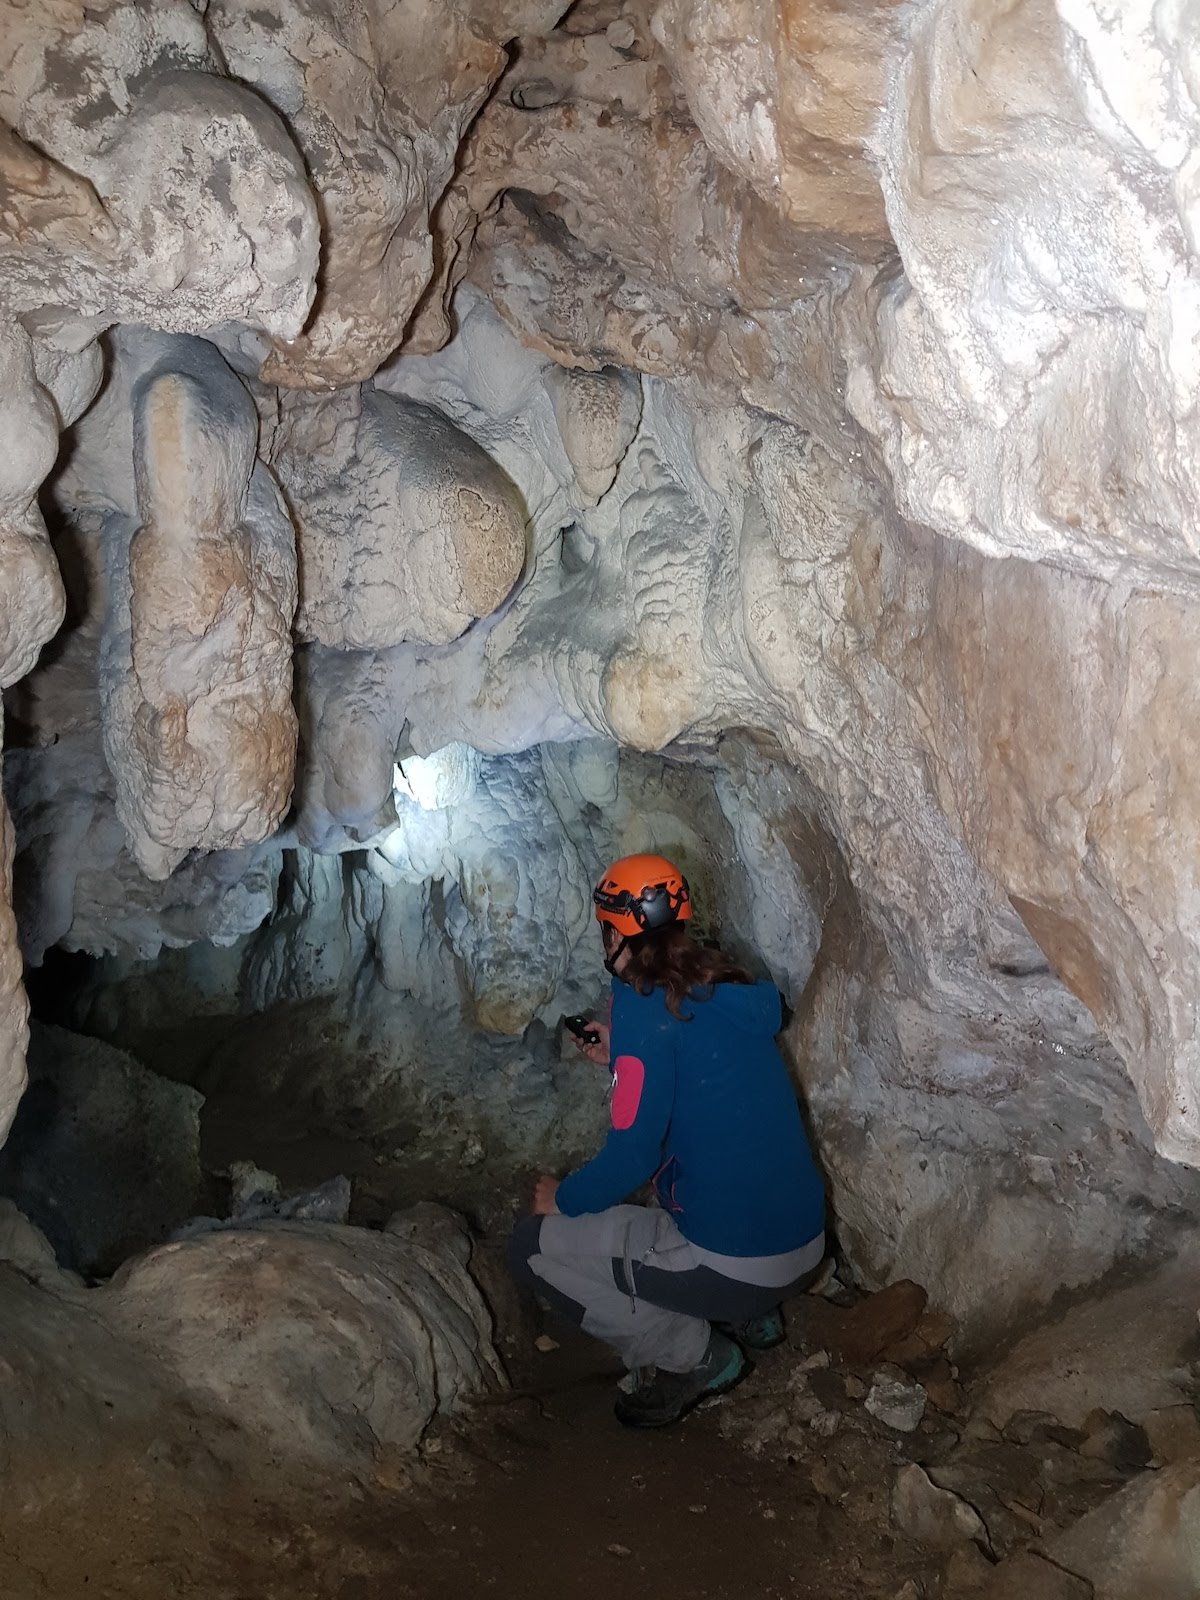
<point x="1113" y="1438"/>
<point x="826" y="1424"/>
<point x="933" y="1516"/>
<point x="1174" y="1433"/>
<point x="967" y="1571"/>
<point x="862" y="1334"/>
<point x="1028" y="1576"/>
<point x="815" y="1362"/>
<point x="897" y="1403"/>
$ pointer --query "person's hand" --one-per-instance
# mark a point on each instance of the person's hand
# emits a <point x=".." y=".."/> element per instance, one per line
<point x="543" y="1197"/>
<point x="598" y="1052"/>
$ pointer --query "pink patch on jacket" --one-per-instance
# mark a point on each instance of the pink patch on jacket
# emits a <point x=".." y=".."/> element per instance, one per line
<point x="630" y="1075"/>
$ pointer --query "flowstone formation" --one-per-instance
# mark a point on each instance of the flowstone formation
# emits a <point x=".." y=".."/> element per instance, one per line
<point x="335" y="1346"/>
<point x="451" y="443"/>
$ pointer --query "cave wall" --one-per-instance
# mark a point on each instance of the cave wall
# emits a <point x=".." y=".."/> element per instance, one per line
<point x="734" y="382"/>
<point x="411" y="991"/>
<point x="408" y="993"/>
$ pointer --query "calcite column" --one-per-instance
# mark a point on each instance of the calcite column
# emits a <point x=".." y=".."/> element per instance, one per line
<point x="199" y="729"/>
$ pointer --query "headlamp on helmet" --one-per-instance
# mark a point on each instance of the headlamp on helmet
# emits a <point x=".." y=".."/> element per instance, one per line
<point x="642" y="893"/>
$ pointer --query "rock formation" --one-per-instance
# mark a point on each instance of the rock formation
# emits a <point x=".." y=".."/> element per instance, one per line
<point x="104" y="1156"/>
<point x="336" y="1346"/>
<point x="195" y="666"/>
<point x="741" y="386"/>
<point x="406" y="528"/>
<point x="333" y="1344"/>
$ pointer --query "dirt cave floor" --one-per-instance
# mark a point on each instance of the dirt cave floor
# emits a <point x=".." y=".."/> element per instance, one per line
<point x="538" y="1492"/>
<point x="815" y="1479"/>
<point x="536" y="1497"/>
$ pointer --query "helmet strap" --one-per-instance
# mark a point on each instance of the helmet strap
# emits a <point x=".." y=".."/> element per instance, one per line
<point x="613" y="956"/>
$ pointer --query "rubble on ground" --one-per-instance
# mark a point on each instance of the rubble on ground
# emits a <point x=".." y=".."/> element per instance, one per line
<point x="866" y="1402"/>
<point x="257" y="1196"/>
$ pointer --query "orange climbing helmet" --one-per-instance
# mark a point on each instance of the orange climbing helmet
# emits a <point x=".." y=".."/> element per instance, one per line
<point x="639" y="894"/>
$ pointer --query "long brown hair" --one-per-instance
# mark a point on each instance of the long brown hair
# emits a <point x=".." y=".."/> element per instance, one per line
<point x="671" y="959"/>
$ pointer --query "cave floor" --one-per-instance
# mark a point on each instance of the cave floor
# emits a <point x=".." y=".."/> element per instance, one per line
<point x="539" y="1493"/>
<point x="542" y="1496"/>
<point x="571" y="1504"/>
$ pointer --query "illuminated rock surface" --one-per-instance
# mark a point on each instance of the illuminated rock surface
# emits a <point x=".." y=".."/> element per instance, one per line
<point x="737" y="387"/>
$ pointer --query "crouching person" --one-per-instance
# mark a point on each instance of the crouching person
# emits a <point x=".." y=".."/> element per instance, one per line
<point x="702" y="1105"/>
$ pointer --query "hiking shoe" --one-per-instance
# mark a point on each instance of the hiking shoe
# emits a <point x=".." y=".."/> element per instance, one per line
<point x="667" y="1396"/>
<point x="760" y="1333"/>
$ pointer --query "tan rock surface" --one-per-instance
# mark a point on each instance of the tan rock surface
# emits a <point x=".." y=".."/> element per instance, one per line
<point x="1143" y="1542"/>
<point x="1023" y="370"/>
<point x="332" y="1343"/>
<point x="378" y="98"/>
<point x="1049" y="701"/>
<point x="199" y="727"/>
<point x="32" y="606"/>
<point x="141" y="186"/>
<point x="788" y="97"/>
<point x="406" y="528"/>
<point x="14" y="1007"/>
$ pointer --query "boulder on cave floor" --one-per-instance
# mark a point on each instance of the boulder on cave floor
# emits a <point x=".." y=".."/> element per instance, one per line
<point x="104" y="1155"/>
<point x="336" y="1346"/>
<point x="1143" y="1543"/>
<point x="873" y="1325"/>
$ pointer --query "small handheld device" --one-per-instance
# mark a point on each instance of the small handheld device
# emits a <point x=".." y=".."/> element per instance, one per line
<point x="583" y="1028"/>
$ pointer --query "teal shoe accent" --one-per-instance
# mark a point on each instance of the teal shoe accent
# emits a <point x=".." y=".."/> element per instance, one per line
<point x="760" y="1333"/>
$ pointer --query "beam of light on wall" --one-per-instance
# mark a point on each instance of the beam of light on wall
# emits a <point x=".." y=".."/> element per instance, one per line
<point x="391" y="846"/>
<point x="441" y="779"/>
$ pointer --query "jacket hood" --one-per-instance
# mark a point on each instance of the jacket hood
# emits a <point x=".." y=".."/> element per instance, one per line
<point x="754" y="1007"/>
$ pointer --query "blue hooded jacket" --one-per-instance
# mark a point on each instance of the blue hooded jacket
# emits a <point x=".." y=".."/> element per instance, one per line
<point x="704" y="1107"/>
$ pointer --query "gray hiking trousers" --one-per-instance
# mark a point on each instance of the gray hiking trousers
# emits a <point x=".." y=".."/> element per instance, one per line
<point x="629" y="1277"/>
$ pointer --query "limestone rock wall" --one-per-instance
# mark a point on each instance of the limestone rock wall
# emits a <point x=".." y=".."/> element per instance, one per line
<point x="412" y="990"/>
<point x="145" y="187"/>
<point x="14" y="1007"/>
<point x="787" y="97"/>
<point x="738" y="572"/>
<point x="32" y="610"/>
<point x="101" y="1199"/>
<point x="512" y="376"/>
<point x="1039" y="331"/>
<point x="406" y="528"/>
<point x="377" y="99"/>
